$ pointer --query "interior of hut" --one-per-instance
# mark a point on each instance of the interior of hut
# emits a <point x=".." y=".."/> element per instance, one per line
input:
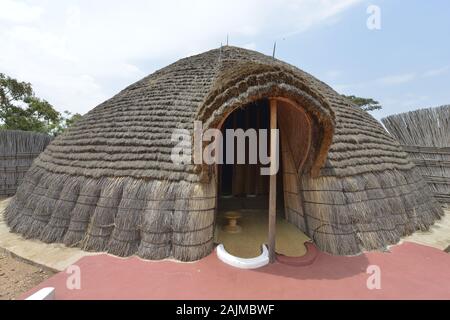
<point x="243" y="199"/>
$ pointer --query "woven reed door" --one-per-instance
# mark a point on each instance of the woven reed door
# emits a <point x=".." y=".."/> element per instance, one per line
<point x="295" y="136"/>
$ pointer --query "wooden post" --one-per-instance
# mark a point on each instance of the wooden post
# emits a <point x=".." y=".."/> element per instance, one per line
<point x="248" y="166"/>
<point x="234" y="184"/>
<point x="258" y="177"/>
<point x="273" y="182"/>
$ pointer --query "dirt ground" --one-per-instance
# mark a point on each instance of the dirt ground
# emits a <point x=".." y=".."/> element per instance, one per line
<point x="17" y="277"/>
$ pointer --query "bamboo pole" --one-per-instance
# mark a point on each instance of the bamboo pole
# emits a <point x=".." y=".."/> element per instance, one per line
<point x="273" y="182"/>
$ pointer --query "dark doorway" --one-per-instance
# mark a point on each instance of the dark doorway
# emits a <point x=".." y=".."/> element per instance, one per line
<point x="241" y="186"/>
<point x="244" y="216"/>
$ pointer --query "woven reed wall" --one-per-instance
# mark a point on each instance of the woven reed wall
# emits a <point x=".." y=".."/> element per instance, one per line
<point x="425" y="135"/>
<point x="18" y="149"/>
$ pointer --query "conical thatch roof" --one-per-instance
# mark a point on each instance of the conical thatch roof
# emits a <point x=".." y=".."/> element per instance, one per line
<point x="109" y="184"/>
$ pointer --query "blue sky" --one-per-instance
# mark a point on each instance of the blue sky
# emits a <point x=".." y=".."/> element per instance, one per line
<point x="405" y="65"/>
<point x="77" y="53"/>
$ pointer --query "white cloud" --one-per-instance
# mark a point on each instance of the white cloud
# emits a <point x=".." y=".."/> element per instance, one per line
<point x="406" y="100"/>
<point x="77" y="53"/>
<point x="250" y="46"/>
<point x="389" y="80"/>
<point x="402" y="102"/>
<point x="302" y="15"/>
<point x="19" y="12"/>
<point x="73" y="17"/>
<point x="437" y="72"/>
<point x="396" y="79"/>
<point x="332" y="74"/>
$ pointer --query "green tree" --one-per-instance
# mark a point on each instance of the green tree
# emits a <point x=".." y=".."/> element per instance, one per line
<point x="366" y="104"/>
<point x="20" y="109"/>
<point x="67" y="120"/>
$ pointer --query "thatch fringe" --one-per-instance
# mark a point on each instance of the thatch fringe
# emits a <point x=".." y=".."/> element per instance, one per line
<point x="157" y="219"/>
<point x="102" y="221"/>
<point x="123" y="216"/>
<point x="18" y="149"/>
<point x="81" y="214"/>
<point x="365" y="212"/>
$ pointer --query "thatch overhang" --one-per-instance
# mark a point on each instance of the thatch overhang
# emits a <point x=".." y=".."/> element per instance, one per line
<point x="242" y="83"/>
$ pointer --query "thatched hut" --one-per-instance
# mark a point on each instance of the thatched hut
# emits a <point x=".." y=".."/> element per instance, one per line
<point x="109" y="184"/>
<point x="18" y="149"/>
<point x="425" y="135"/>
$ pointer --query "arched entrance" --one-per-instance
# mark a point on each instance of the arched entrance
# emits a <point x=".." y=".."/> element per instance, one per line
<point x="268" y="207"/>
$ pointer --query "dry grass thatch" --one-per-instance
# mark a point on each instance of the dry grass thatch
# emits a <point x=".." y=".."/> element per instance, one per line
<point x="108" y="183"/>
<point x="425" y="135"/>
<point x="18" y="149"/>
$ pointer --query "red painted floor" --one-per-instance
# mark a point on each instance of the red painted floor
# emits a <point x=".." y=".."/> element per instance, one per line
<point x="409" y="271"/>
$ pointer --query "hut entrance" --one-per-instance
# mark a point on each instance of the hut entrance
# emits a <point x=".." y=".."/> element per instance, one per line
<point x="241" y="186"/>
<point x="244" y="194"/>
